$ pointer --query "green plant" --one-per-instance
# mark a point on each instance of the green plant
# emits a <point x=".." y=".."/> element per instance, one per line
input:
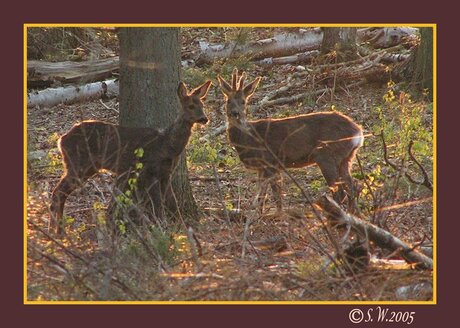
<point x="401" y="120"/>
<point x="125" y="200"/>
<point x="210" y="152"/>
<point x="53" y="162"/>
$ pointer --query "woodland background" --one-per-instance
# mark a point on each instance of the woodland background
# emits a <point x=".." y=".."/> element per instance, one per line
<point x="290" y="257"/>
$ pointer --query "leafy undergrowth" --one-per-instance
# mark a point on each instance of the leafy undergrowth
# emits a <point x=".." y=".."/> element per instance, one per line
<point x="234" y="254"/>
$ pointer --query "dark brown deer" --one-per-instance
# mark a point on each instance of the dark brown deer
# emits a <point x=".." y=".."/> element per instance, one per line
<point x="268" y="146"/>
<point x="91" y="146"/>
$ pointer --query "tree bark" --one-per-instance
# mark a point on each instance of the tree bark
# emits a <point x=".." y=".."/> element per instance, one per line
<point x="342" y="40"/>
<point x="418" y="69"/>
<point x="149" y="76"/>
<point x="423" y="73"/>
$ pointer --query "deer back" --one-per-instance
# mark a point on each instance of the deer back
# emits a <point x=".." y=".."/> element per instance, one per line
<point x="94" y="145"/>
<point x="293" y="141"/>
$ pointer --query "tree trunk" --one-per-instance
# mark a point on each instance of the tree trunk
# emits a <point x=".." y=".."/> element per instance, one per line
<point x="342" y="40"/>
<point x="149" y="76"/>
<point x="423" y="71"/>
<point x="418" y="70"/>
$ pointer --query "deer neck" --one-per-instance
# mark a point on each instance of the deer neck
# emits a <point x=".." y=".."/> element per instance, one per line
<point x="178" y="135"/>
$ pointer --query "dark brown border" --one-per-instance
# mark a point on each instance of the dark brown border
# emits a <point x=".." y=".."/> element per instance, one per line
<point x="218" y="12"/>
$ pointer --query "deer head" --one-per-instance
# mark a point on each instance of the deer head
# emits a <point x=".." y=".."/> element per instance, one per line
<point x="191" y="102"/>
<point x="237" y="95"/>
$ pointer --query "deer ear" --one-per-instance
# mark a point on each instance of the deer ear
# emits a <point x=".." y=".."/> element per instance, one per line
<point x="182" y="91"/>
<point x="248" y="90"/>
<point x="202" y="90"/>
<point x="224" y="86"/>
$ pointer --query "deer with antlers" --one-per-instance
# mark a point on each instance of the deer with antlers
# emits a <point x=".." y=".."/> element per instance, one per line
<point x="269" y="146"/>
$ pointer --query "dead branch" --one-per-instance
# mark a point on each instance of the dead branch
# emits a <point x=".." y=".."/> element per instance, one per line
<point x="195" y="247"/>
<point x="380" y="237"/>
<point x="426" y="180"/>
<point x="68" y="251"/>
<point x="276" y="244"/>
<point x="280" y="90"/>
<point x="111" y="108"/>
<point x="348" y="70"/>
<point x="294" y="98"/>
<point x="220" y="193"/>
<point x="361" y="169"/>
<point x="214" y="133"/>
<point x="296" y="58"/>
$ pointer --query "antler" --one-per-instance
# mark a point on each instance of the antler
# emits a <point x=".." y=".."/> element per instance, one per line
<point x="241" y="82"/>
<point x="234" y="78"/>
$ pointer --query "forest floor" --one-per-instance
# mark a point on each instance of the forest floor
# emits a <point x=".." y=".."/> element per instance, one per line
<point x="289" y="256"/>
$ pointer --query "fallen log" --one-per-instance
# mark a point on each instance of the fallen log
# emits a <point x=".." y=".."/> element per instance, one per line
<point x="380" y="237"/>
<point x="40" y="73"/>
<point x="278" y="46"/>
<point x="72" y="94"/>
<point x="296" y="58"/>
<point x="385" y="37"/>
<point x="304" y="40"/>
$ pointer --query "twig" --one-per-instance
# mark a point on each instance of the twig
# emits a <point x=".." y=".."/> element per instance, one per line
<point x="214" y="133"/>
<point x="117" y="282"/>
<point x="426" y="180"/>
<point x="61" y="267"/>
<point x="420" y="243"/>
<point x="291" y="99"/>
<point x="334" y="80"/>
<point x="111" y="108"/>
<point x="195" y="247"/>
<point x="364" y="178"/>
<point x="220" y="194"/>
<point x="380" y="237"/>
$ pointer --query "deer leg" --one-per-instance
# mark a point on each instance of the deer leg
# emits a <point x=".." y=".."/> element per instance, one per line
<point x="348" y="184"/>
<point x="154" y="192"/>
<point x="330" y="172"/>
<point x="64" y="188"/>
<point x="275" y="183"/>
<point x="168" y="199"/>
<point x="259" y="200"/>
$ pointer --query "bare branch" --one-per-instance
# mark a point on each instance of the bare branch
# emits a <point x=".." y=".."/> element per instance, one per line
<point x="426" y="180"/>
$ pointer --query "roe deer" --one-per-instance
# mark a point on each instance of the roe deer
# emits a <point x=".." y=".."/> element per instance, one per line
<point x="91" y="146"/>
<point x="268" y="146"/>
